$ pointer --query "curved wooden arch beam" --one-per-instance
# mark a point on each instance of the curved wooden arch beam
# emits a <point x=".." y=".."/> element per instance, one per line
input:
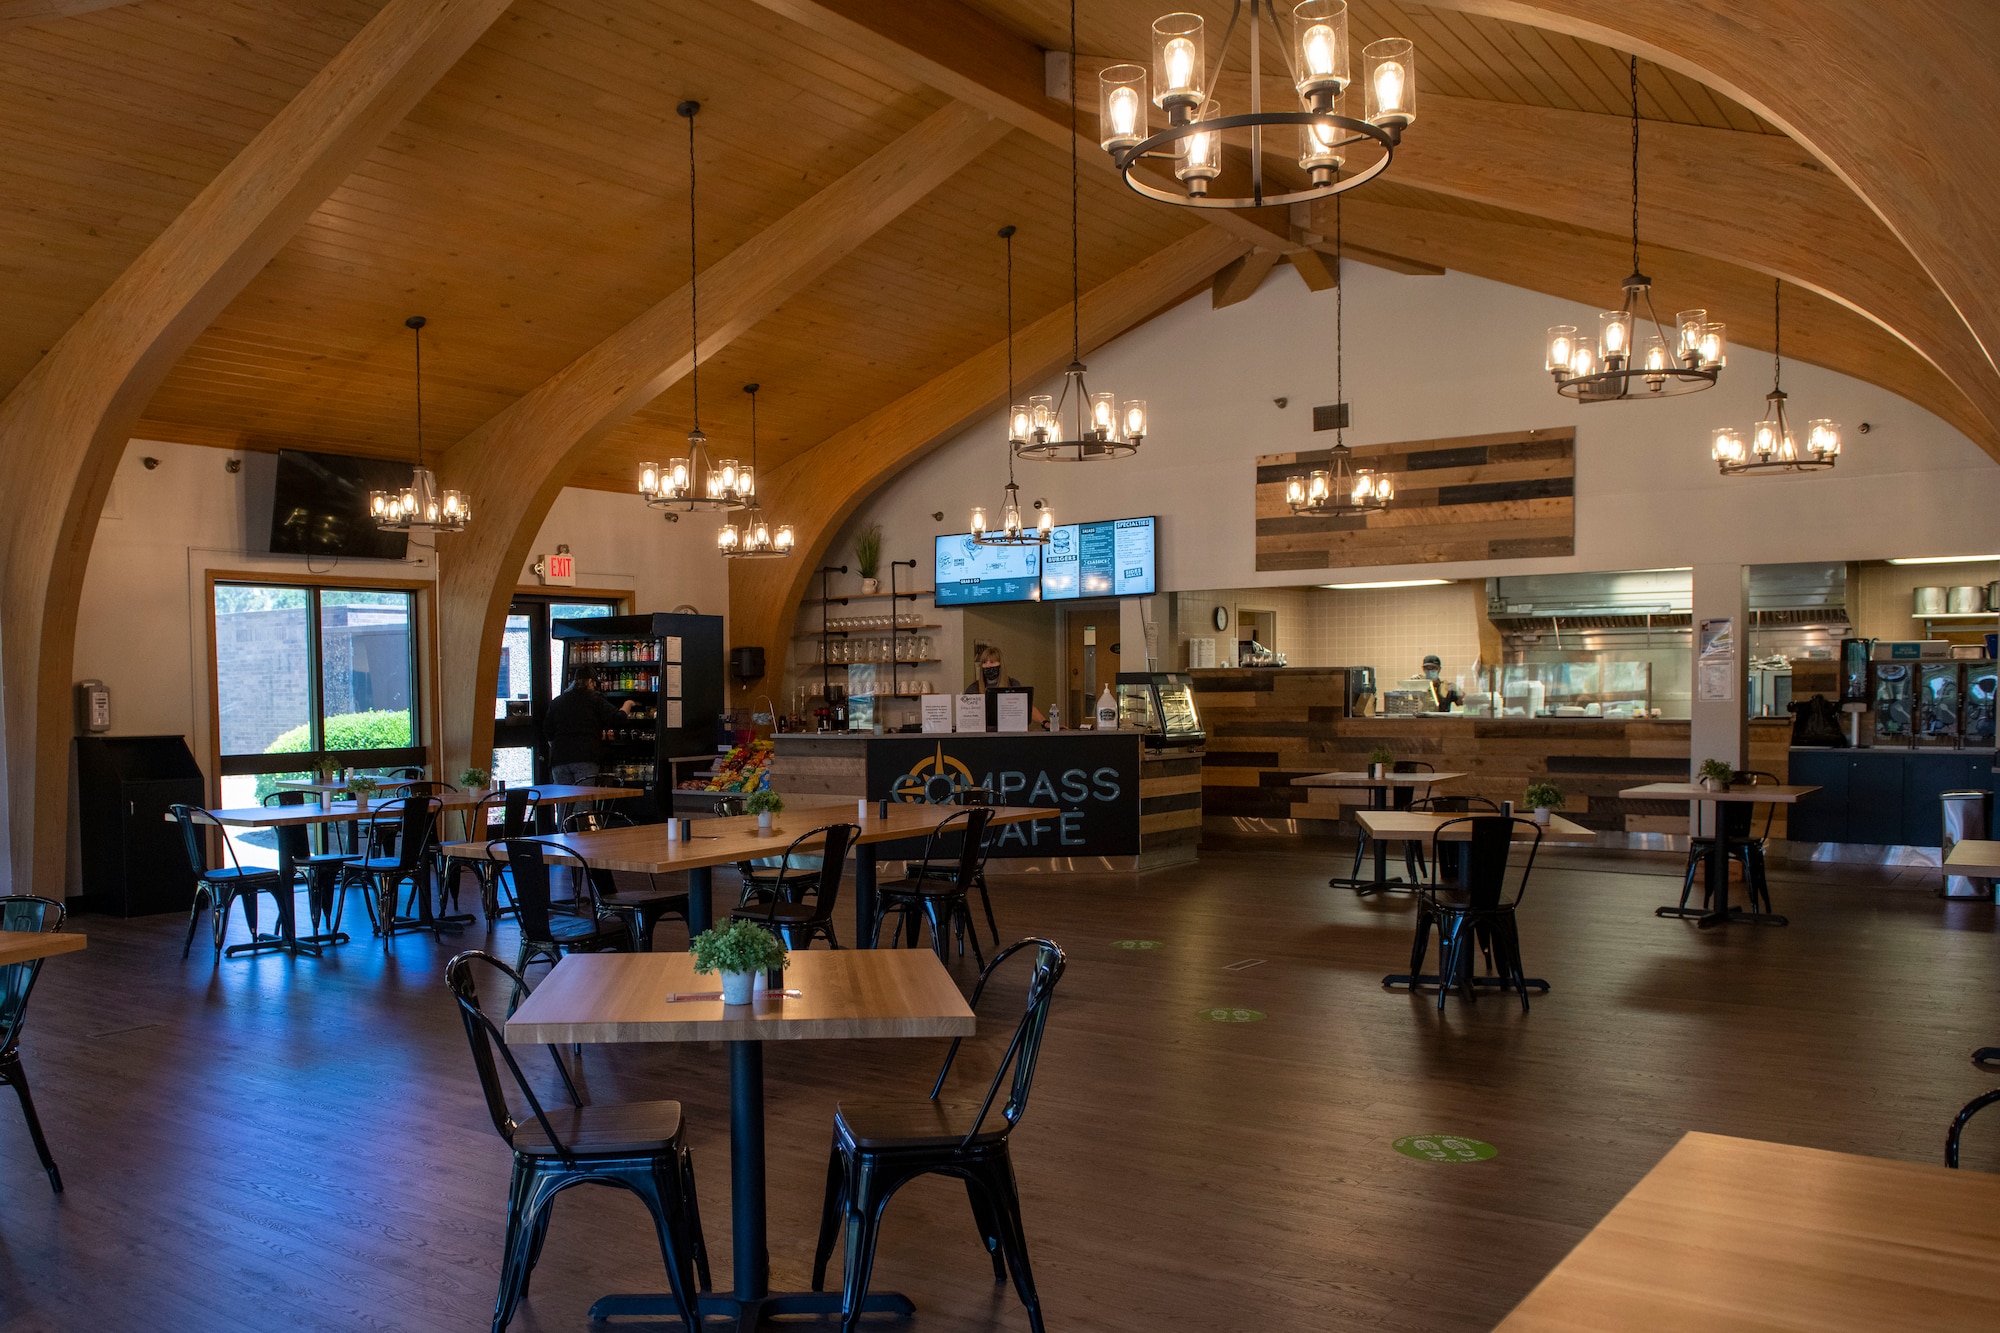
<point x="513" y="467"/>
<point x="13" y="13"/>
<point x="823" y="487"/>
<point x="1896" y="99"/>
<point x="65" y="425"/>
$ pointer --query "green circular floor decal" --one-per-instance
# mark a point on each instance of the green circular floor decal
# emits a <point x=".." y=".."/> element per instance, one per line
<point x="1231" y="1015"/>
<point x="1135" y="944"/>
<point x="1445" y="1148"/>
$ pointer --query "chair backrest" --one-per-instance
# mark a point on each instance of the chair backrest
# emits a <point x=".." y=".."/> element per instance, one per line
<point x="1025" y="1048"/>
<point x="424" y="788"/>
<point x="1412" y="766"/>
<point x="192" y="841"/>
<point x="17" y="980"/>
<point x="1740" y="817"/>
<point x="293" y="845"/>
<point x="517" y="811"/>
<point x="485" y="1037"/>
<point x="1403" y="797"/>
<point x="967" y="826"/>
<point x="1484" y="868"/>
<point x="415" y="819"/>
<point x="591" y="821"/>
<point x="528" y="866"/>
<point x="832" y="858"/>
<point x="1453" y="805"/>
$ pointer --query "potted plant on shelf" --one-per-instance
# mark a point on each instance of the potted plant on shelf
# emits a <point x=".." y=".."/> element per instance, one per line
<point x="475" y="779"/>
<point x="868" y="557"/>
<point x="1542" y="797"/>
<point x="363" y="788"/>
<point x="739" y="951"/>
<point x="1379" y="760"/>
<point x="1716" y="774"/>
<point x="763" y="804"/>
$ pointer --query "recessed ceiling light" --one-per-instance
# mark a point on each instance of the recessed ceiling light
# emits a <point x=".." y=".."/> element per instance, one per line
<point x="1392" y="583"/>
<point x="1945" y="559"/>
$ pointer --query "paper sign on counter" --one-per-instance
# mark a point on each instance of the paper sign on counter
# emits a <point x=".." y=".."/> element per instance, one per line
<point x="972" y="712"/>
<point x="937" y="712"/>
<point x="1012" y="712"/>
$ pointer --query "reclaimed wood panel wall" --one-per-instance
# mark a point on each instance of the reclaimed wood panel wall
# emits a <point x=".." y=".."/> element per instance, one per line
<point x="1265" y="727"/>
<point x="1475" y="497"/>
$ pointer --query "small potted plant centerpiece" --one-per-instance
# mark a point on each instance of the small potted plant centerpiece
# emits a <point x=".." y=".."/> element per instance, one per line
<point x="1542" y="797"/>
<point x="475" y="779"/>
<point x="1379" y="760"/>
<point x="739" y="951"/>
<point x="868" y="557"/>
<point x="763" y="804"/>
<point x="363" y="788"/>
<point x="1716" y="774"/>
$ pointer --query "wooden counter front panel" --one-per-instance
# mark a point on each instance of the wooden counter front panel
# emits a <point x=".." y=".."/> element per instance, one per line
<point x="1264" y="728"/>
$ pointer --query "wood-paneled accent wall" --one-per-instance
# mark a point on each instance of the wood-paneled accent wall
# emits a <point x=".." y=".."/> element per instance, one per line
<point x="1473" y="497"/>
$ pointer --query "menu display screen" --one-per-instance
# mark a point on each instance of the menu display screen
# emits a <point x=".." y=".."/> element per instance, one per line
<point x="1111" y="558"/>
<point x="969" y="573"/>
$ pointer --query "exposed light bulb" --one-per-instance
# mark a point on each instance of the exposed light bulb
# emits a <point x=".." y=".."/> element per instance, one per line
<point x="1389" y="87"/>
<point x="1180" y="65"/>
<point x="1124" y="112"/>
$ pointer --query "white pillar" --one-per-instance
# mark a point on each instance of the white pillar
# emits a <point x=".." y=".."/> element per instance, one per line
<point x="1719" y="728"/>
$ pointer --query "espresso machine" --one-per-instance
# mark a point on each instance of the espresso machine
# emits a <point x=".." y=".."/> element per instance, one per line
<point x="1855" y="694"/>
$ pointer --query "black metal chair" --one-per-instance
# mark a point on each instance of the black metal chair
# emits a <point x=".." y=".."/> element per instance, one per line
<point x="545" y="935"/>
<point x="17" y="981"/>
<point x="977" y="795"/>
<point x="320" y="872"/>
<point x="1958" y="1123"/>
<point x="412" y="822"/>
<point x="639" y="1146"/>
<point x="1400" y="798"/>
<point x="640" y="909"/>
<point x="222" y="886"/>
<point x="783" y="907"/>
<point x="1449" y="805"/>
<point x="938" y="888"/>
<point x="517" y="814"/>
<point x="1475" y="912"/>
<point x="880" y="1146"/>
<point x="1738" y="820"/>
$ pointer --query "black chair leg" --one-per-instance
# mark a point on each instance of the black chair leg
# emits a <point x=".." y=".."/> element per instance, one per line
<point x="964" y="912"/>
<point x="830" y="1212"/>
<point x="11" y="1072"/>
<point x="661" y="1189"/>
<point x="1420" y="946"/>
<point x="998" y="1178"/>
<point x="989" y="1226"/>
<point x="864" y="1228"/>
<point x="691" y="1204"/>
<point x="201" y="891"/>
<point x="514" y="1250"/>
<point x="986" y="902"/>
<point x="940" y="937"/>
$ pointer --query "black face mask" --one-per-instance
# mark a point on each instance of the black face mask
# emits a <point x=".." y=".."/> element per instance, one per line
<point x="991" y="674"/>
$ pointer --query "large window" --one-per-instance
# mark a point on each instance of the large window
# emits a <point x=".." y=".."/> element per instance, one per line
<point x="309" y="673"/>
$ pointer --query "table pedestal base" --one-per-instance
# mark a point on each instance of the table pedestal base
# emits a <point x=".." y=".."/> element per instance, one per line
<point x="1706" y="917"/>
<point x="746" y="1314"/>
<point x="1484" y="983"/>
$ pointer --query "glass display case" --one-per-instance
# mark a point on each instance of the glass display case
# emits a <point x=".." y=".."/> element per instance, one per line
<point x="1160" y="704"/>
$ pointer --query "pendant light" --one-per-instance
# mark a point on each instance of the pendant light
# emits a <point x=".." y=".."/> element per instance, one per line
<point x="1099" y="428"/>
<point x="754" y="538"/>
<point x="1772" y="447"/>
<point x="419" y="506"/>
<point x="1609" y="367"/>
<point x="1011" y="532"/>
<point x="1339" y="488"/>
<point x="696" y="482"/>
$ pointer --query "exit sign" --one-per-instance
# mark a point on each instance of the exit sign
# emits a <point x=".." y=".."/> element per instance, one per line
<point x="560" y="568"/>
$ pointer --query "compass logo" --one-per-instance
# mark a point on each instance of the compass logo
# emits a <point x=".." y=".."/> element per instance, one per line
<point x="932" y="780"/>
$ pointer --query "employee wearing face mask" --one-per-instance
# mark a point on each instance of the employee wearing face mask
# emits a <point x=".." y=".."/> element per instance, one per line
<point x="1442" y="696"/>
<point x="993" y="675"/>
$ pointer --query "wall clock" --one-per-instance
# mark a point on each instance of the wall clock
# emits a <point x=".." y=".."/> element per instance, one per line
<point x="1222" y="617"/>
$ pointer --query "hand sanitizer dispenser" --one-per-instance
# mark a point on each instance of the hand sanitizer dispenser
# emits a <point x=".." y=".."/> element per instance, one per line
<point x="1107" y="711"/>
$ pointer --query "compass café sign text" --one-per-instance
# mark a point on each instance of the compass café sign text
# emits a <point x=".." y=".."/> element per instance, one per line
<point x="1092" y="779"/>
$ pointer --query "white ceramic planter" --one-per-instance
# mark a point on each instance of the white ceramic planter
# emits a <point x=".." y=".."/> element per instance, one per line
<point x="869" y="587"/>
<point x="1542" y="815"/>
<point x="737" y="987"/>
<point x="360" y="802"/>
<point x="764" y="822"/>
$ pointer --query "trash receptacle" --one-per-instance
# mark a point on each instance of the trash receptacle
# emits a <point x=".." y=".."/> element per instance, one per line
<point x="1967" y="815"/>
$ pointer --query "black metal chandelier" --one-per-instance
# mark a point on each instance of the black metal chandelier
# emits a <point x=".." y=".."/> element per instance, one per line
<point x="697" y="481"/>
<point x="1099" y="427"/>
<point x="1338" y="488"/>
<point x="1012" y="531"/>
<point x="419" y="506"/>
<point x="1610" y="367"/>
<point x="1183" y="85"/>
<point x="754" y="537"/>
<point x="1771" y="446"/>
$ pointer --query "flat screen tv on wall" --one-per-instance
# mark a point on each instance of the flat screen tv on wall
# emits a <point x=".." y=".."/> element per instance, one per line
<point x="319" y="506"/>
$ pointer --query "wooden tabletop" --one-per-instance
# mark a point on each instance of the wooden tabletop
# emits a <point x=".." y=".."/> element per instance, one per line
<point x="1418" y="825"/>
<point x="1363" y="780"/>
<point x="621" y="997"/>
<point x="1975" y="857"/>
<point x="1732" y="1235"/>
<point x="21" y="946"/>
<point x="1694" y="791"/>
<point x="646" y="849"/>
<point x="275" y="816"/>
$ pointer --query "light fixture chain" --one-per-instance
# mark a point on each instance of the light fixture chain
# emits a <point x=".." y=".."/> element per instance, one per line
<point x="1777" y="334"/>
<point x="1008" y="236"/>
<point x="1635" y="164"/>
<point x="1339" y="345"/>
<point x="694" y="287"/>
<point x="1075" y="251"/>
<point x="418" y="334"/>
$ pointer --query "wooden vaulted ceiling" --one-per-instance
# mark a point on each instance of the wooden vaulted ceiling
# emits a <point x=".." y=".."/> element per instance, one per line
<point x="534" y="203"/>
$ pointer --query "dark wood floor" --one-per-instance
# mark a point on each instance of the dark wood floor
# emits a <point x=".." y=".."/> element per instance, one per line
<point x="263" y="1144"/>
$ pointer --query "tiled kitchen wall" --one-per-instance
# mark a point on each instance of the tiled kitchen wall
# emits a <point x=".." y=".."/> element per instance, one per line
<point x="1389" y="629"/>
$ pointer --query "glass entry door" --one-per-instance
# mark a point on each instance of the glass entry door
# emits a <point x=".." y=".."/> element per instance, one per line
<point x="530" y="674"/>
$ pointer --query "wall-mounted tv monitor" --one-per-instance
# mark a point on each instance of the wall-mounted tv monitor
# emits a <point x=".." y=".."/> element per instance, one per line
<point x="971" y="574"/>
<point x="319" y="506"/>
<point x="1114" y="557"/>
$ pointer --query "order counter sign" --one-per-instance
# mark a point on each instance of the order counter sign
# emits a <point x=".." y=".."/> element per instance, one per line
<point x="1445" y="1148"/>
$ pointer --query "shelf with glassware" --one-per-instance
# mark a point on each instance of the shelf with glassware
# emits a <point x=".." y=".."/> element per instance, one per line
<point x="670" y="667"/>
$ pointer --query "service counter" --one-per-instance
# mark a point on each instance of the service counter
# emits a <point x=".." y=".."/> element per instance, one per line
<point x="1125" y="805"/>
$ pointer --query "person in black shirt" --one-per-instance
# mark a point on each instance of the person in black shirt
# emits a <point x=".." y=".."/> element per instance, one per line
<point x="575" y="725"/>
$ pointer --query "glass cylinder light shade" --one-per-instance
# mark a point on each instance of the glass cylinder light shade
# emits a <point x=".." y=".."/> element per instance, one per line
<point x="1653" y="356"/>
<point x="1364" y="487"/>
<point x="1714" y="348"/>
<point x="1319" y="486"/>
<point x="1103" y="414"/>
<point x="1583" y="358"/>
<point x="1823" y="438"/>
<point x="978" y="523"/>
<point x="455" y="512"/>
<point x="649" y="480"/>
<point x="730" y="476"/>
<point x="727" y="537"/>
<point x="1179" y="65"/>
<point x="1561" y="348"/>
<point x="1295" y="491"/>
<point x="1319" y="56"/>
<point x="746" y="485"/>
<point x="1323" y="148"/>
<point x="678" y="478"/>
<point x="782" y="539"/>
<point x="1135" y="420"/>
<point x="381" y="505"/>
<point x="759" y="537"/>
<point x="1042" y="415"/>
<point x="1121" y="106"/>
<point x="1691" y="324"/>
<point x="1019" y="426"/>
<point x="1767" y="439"/>
<point x="1045" y="521"/>
<point x="1728" y="446"/>
<point x="1614" y="336"/>
<point x="1390" y="68"/>
<point x="1202" y="162"/>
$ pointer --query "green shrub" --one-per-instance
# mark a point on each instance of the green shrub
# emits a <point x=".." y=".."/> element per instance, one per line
<point x="764" y="801"/>
<point x="740" y="946"/>
<point x="1381" y="754"/>
<point x="1543" y="796"/>
<point x="1718" y="771"/>
<point x="379" y="729"/>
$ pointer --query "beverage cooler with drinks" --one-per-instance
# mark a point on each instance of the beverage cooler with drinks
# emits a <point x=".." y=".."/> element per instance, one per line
<point x="671" y="668"/>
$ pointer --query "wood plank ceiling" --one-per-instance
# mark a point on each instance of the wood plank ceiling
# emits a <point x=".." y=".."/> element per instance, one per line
<point x="535" y="202"/>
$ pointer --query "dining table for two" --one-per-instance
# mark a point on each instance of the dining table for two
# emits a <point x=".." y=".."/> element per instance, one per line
<point x="1717" y="910"/>
<point x="1379" y="787"/>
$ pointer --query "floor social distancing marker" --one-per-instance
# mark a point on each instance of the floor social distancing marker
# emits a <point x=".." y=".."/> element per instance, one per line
<point x="1445" y="1148"/>
<point x="1135" y="944"/>
<point x="1231" y="1015"/>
